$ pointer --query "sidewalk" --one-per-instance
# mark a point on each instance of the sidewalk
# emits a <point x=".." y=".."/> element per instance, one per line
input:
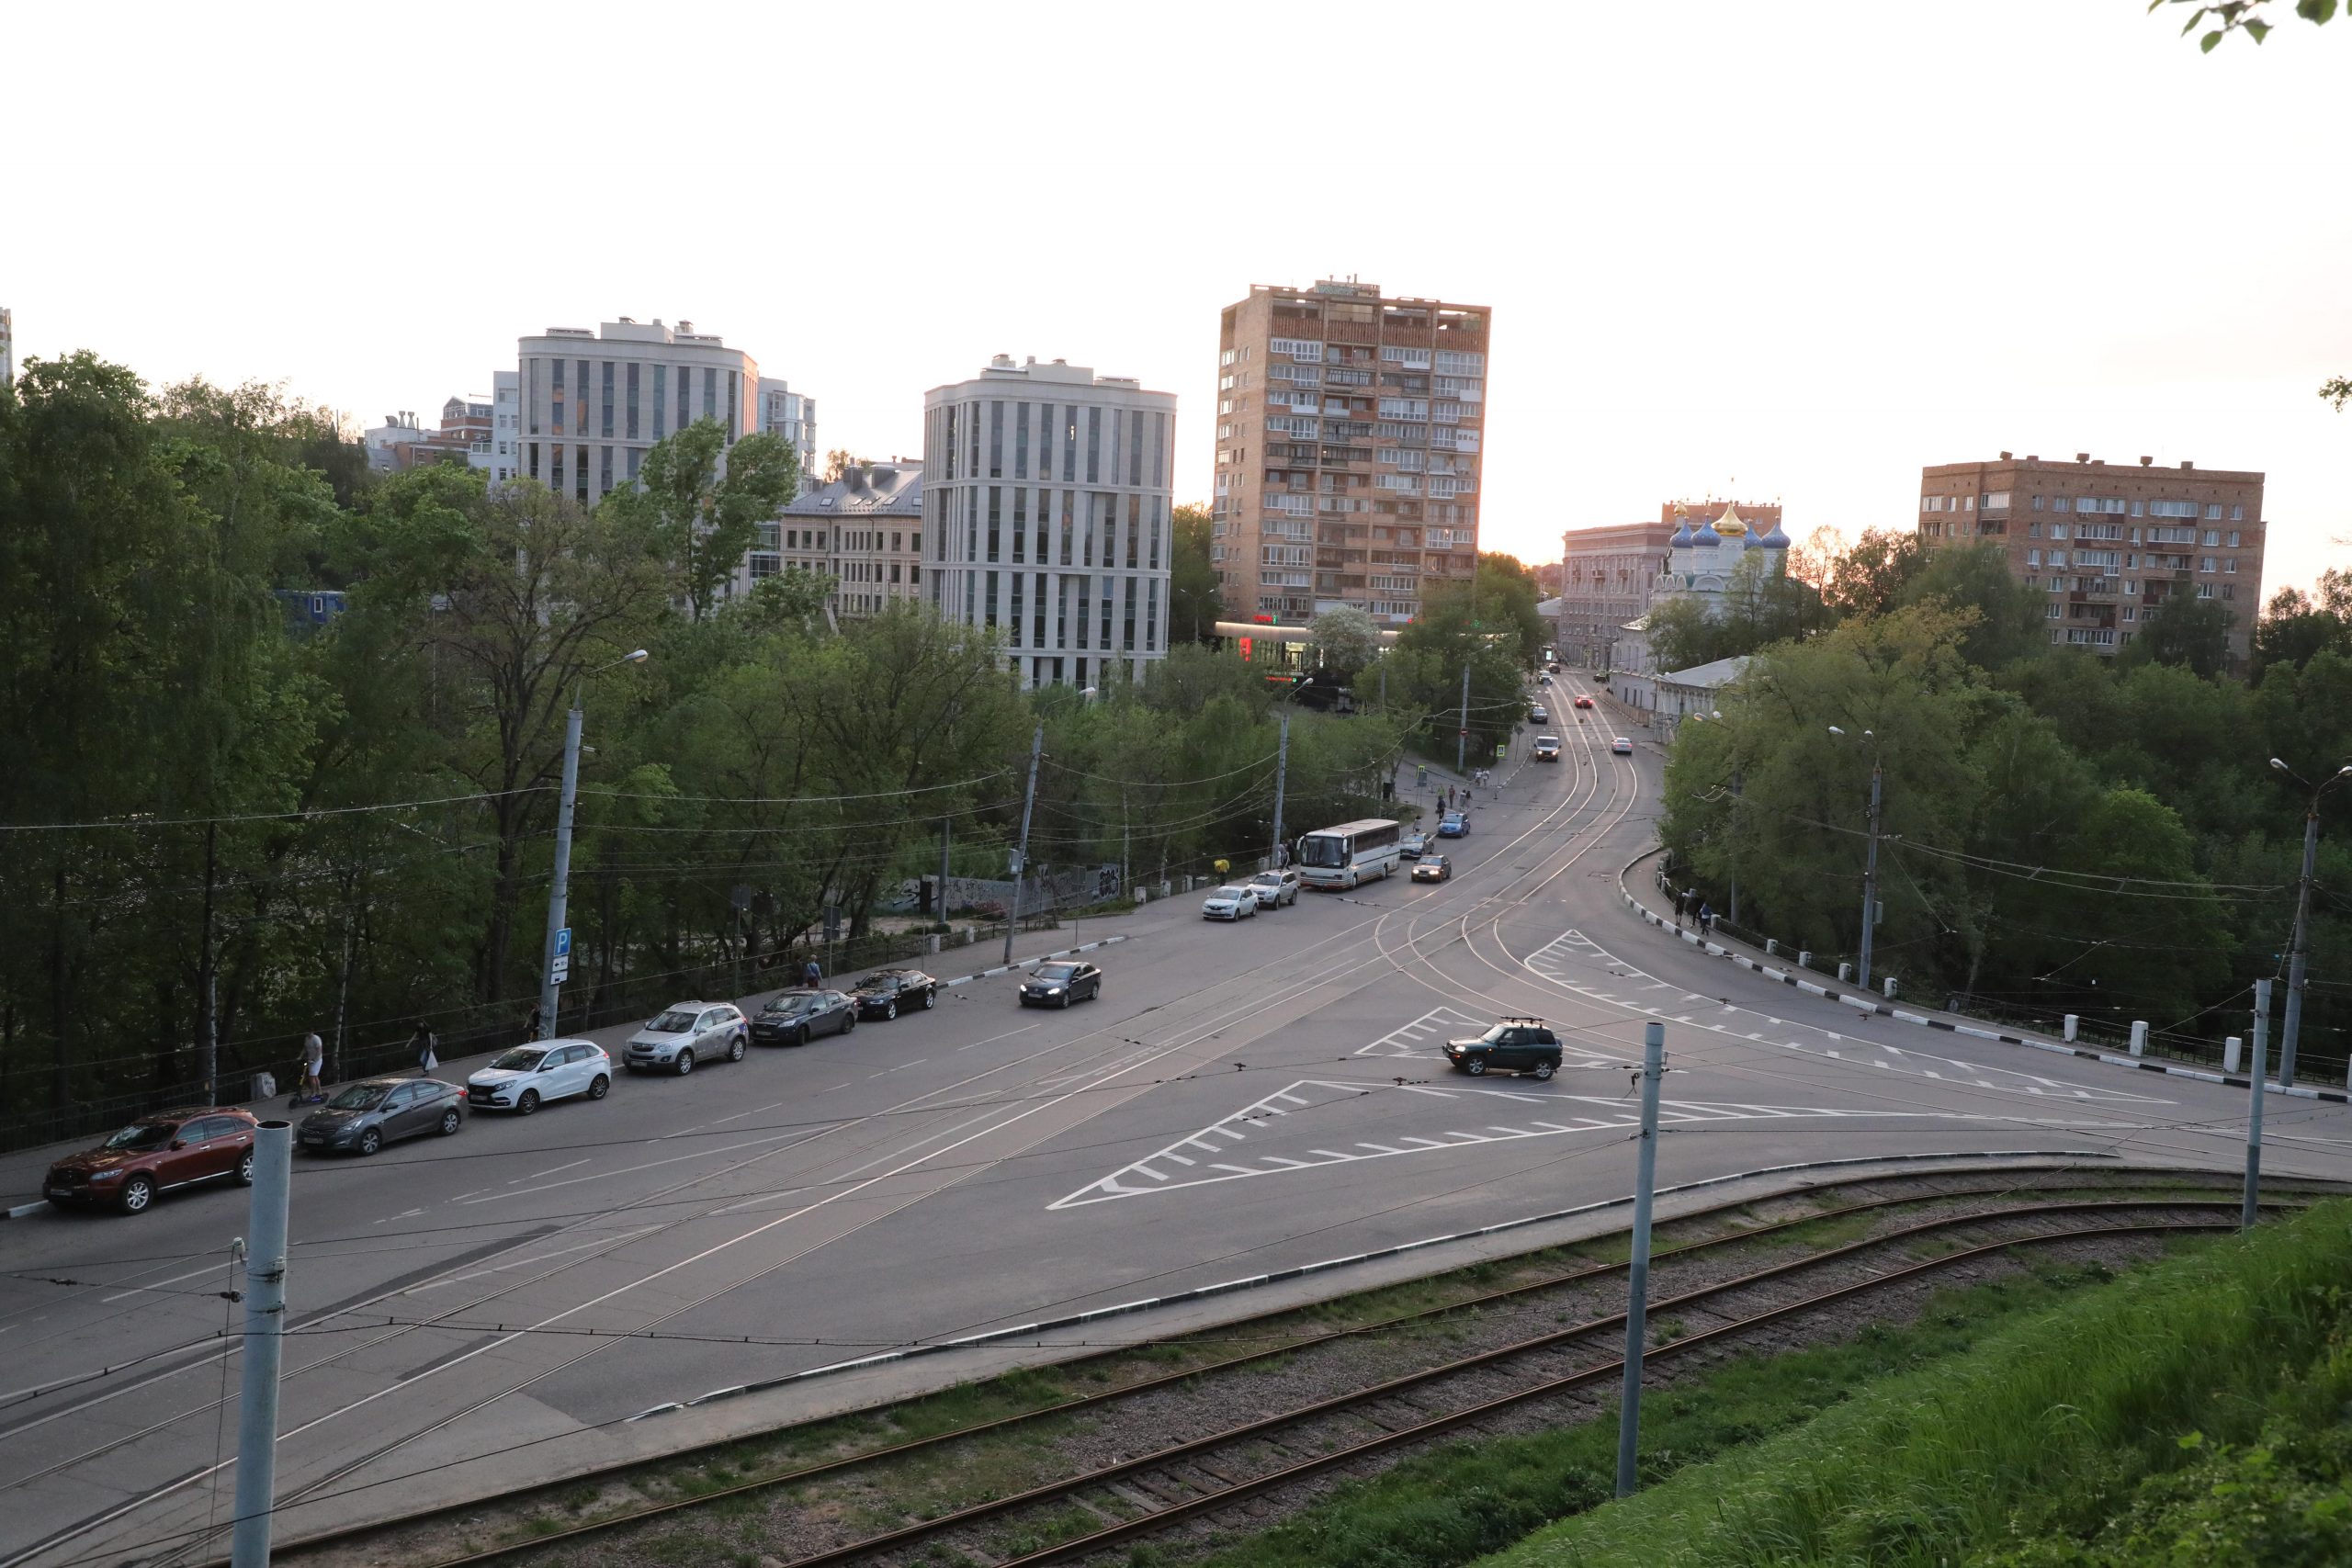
<point x="1637" y="886"/>
<point x="21" y="1170"/>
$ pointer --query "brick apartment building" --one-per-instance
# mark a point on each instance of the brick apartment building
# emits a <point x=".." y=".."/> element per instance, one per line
<point x="2109" y="544"/>
<point x="1606" y="573"/>
<point x="1349" y="436"/>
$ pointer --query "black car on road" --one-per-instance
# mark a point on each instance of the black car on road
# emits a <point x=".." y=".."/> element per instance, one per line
<point x="1512" y="1045"/>
<point x="889" y="992"/>
<point x="1058" y="984"/>
<point x="794" y="1017"/>
<point x="374" y="1112"/>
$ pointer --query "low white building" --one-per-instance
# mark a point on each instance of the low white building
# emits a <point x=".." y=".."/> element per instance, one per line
<point x="1047" y="504"/>
<point x="862" y="530"/>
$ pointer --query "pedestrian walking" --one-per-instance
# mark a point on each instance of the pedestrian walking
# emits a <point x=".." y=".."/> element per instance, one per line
<point x="425" y="1042"/>
<point x="811" y="974"/>
<point x="531" y="1028"/>
<point x="1706" y="917"/>
<point x="314" y="1054"/>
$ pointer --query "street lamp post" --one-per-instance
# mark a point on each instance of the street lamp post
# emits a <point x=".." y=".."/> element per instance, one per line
<point x="559" y="888"/>
<point x="1870" y="862"/>
<point x="2301" y="944"/>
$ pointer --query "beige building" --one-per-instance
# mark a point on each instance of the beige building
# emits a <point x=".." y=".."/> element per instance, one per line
<point x="862" y="530"/>
<point x="1608" y="574"/>
<point x="2108" y="543"/>
<point x="1349" y="439"/>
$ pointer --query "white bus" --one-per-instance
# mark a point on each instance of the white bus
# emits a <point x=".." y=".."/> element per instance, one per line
<point x="1351" y="853"/>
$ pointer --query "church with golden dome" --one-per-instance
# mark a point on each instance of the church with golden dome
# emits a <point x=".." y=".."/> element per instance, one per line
<point x="1706" y="562"/>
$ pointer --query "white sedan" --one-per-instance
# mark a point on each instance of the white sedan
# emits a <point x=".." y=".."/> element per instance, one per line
<point x="1230" y="904"/>
<point x="527" y="1077"/>
<point x="1621" y="746"/>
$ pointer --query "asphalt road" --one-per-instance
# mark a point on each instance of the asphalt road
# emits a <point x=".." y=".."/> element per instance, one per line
<point x="474" y="1313"/>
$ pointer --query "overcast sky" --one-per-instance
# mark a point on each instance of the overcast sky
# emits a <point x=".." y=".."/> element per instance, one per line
<point x="1785" y="252"/>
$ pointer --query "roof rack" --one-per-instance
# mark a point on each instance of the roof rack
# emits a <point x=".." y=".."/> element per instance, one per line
<point x="1518" y="1018"/>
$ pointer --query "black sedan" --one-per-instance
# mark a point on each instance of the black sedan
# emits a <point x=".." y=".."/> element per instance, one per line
<point x="887" y="992"/>
<point x="374" y="1112"/>
<point x="794" y="1017"/>
<point x="1058" y="984"/>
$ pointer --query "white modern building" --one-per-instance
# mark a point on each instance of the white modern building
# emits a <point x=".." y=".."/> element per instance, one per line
<point x="498" y="455"/>
<point x="863" y="530"/>
<point x="792" y="415"/>
<point x="1048" y="496"/>
<point x="594" y="403"/>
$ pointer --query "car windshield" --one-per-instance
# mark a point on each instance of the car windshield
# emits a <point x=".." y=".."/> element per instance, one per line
<point x="1324" y="849"/>
<point x="1547" y="740"/>
<point x="359" y="1096"/>
<point x="801" y="1003"/>
<point x="1057" y="972"/>
<point x="1497" y="1033"/>
<point x="1267" y="879"/>
<point x="677" y="1020"/>
<point x="142" y="1135"/>
<point x="876" y="982"/>
<point x="521" y="1059"/>
<point x="1231" y="892"/>
<point x="1434" y="862"/>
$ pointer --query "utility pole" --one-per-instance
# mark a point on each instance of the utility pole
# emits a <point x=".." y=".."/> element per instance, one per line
<point x="1637" y="1276"/>
<point x="560" y="889"/>
<point x="208" y="1037"/>
<point x="264" y="1346"/>
<point x="2302" y="946"/>
<point x="2253" y="1109"/>
<point x="939" y="912"/>
<point x="1869" y="880"/>
<point x="1462" y="733"/>
<point x="1021" y="856"/>
<point x="1282" y="769"/>
<point x="1734" y="916"/>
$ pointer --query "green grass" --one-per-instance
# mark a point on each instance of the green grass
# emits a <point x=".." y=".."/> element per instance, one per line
<point x="2057" y="1440"/>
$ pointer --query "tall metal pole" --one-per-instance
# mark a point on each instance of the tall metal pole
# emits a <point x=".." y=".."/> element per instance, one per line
<point x="939" y="913"/>
<point x="2300" y="948"/>
<point x="1869" y="879"/>
<point x="265" y="1345"/>
<point x="208" y="1044"/>
<point x="1637" y="1276"/>
<point x="1735" y="854"/>
<point x="1282" y="769"/>
<point x="1462" y="731"/>
<point x="560" y="889"/>
<point x="1021" y="866"/>
<point x="2253" y="1108"/>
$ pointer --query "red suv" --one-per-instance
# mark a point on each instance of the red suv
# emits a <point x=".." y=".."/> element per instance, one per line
<point x="155" y="1153"/>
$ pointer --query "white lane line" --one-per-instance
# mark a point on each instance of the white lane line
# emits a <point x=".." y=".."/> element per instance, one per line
<point x="549" y="1171"/>
<point x="787" y="1139"/>
<point x="740" y="1114"/>
<point x="520" y="1262"/>
<point x="135" y="1290"/>
<point x="1237" y="1169"/>
<point x="388" y="1218"/>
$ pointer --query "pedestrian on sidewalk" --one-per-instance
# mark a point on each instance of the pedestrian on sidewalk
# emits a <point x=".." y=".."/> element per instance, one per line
<point x="812" y="975"/>
<point x="424" y="1042"/>
<point x="1706" y="917"/>
<point x="314" y="1053"/>
<point x="531" y="1028"/>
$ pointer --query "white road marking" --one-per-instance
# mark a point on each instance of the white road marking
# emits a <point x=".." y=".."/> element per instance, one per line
<point x="549" y="1171"/>
<point x="135" y="1290"/>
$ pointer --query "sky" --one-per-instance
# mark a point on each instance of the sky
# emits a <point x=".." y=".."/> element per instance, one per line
<point x="1783" y="252"/>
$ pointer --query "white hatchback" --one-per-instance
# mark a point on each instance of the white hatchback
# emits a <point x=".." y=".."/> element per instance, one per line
<point x="1230" y="904"/>
<point x="527" y="1077"/>
<point x="687" y="1034"/>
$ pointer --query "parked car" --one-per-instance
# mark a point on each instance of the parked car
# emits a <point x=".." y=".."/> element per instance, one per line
<point x="1230" y="904"/>
<point x="1547" y="748"/>
<point x="1621" y="746"/>
<point x="1434" y="868"/>
<point x="1058" y="984"/>
<point x="1275" y="888"/>
<point x="1544" y="680"/>
<point x="1512" y="1045"/>
<point x="1554" y="667"/>
<point x="882" y="993"/>
<point x="1454" y="825"/>
<point x="687" y="1034"/>
<point x="1584" y="702"/>
<point x="1539" y="714"/>
<point x="527" y="1077"/>
<point x="367" y="1115"/>
<point x="794" y="1017"/>
<point x="156" y="1154"/>
<point x="1413" y="846"/>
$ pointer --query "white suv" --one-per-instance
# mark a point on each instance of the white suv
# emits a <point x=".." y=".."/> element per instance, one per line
<point x="1275" y="888"/>
<point x="687" y="1034"/>
<point x="523" y="1079"/>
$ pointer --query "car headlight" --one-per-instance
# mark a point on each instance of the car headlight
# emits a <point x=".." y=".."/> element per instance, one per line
<point x="1052" y="990"/>
<point x="106" y="1175"/>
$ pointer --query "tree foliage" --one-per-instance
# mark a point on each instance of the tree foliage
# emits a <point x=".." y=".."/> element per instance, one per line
<point x="1345" y="639"/>
<point x="702" y="502"/>
<point x="1195" y="603"/>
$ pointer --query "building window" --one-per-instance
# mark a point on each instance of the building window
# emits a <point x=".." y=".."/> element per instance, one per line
<point x="580" y="401"/>
<point x="632" y="401"/>
<point x="605" y="404"/>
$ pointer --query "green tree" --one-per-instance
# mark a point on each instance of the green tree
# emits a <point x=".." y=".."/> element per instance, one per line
<point x="1345" y="639"/>
<point x="701" y="501"/>
<point x="2192" y="633"/>
<point x="1195" y="602"/>
<point x="2296" y="626"/>
<point x="1871" y="578"/>
<point x="2252" y="18"/>
<point x="2009" y="622"/>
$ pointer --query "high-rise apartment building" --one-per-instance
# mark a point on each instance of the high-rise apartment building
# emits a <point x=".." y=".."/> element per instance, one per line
<point x="1348" y="443"/>
<point x="1047" y="493"/>
<point x="1608" y="574"/>
<point x="2109" y="544"/>
<point x="594" y="403"/>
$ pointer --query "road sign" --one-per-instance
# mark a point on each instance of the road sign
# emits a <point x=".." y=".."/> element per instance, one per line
<point x="560" y="970"/>
<point x="564" y="945"/>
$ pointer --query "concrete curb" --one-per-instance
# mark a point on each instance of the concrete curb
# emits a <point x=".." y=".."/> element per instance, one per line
<point x="22" y="1210"/>
<point x="1864" y="1002"/>
<point x="1254" y="1281"/>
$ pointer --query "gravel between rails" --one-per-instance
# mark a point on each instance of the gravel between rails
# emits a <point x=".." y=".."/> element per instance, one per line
<point x="796" y="1520"/>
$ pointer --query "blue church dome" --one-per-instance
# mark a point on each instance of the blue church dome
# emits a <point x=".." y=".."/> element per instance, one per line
<point x="1706" y="538"/>
<point x="1775" y="540"/>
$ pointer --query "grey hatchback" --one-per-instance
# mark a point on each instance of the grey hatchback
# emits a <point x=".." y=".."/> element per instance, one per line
<point x="374" y="1112"/>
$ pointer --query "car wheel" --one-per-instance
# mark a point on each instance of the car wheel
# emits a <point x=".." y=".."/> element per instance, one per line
<point x="451" y="1121"/>
<point x="1543" y="1069"/>
<point x="245" y="1169"/>
<point x="889" y="1009"/>
<point x="137" y="1193"/>
<point x="529" y="1103"/>
<point x="370" y="1141"/>
<point x="1065" y="1001"/>
<point x="686" y="1063"/>
<point x="850" y="1021"/>
<point x="735" y="1049"/>
<point x="599" y="1086"/>
<point x="1476" y="1067"/>
<point x="929" y="1000"/>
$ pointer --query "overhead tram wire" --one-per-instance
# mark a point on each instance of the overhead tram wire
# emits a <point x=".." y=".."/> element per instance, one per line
<point x="308" y="815"/>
